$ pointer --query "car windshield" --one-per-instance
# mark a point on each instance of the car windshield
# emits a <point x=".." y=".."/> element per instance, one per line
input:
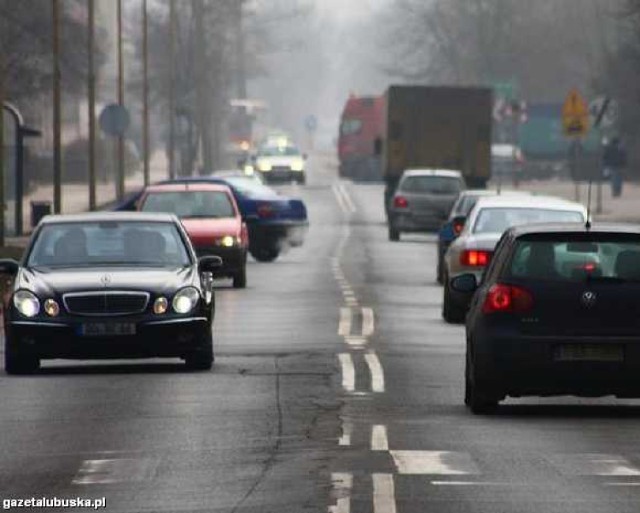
<point x="568" y="259"/>
<point x="190" y="204"/>
<point x="432" y="184"/>
<point x="109" y="243"/>
<point x="499" y="219"/>
<point x="279" y="151"/>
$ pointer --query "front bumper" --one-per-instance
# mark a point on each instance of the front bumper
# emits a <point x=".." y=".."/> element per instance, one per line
<point x="520" y="365"/>
<point x="283" y="175"/>
<point x="173" y="337"/>
<point x="233" y="258"/>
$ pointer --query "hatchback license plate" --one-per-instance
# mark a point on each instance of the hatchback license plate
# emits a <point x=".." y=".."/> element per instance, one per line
<point x="588" y="352"/>
<point x="107" y="329"/>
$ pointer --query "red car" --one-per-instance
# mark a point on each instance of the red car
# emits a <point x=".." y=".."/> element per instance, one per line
<point x="210" y="216"/>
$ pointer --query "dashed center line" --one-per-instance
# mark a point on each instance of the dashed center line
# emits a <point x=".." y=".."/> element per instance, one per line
<point x="384" y="494"/>
<point x="377" y="374"/>
<point x="348" y="372"/>
<point x="342" y="483"/>
<point x="379" y="441"/>
<point x="346" y="319"/>
<point x="347" y="431"/>
<point x="107" y="471"/>
<point x="368" y="322"/>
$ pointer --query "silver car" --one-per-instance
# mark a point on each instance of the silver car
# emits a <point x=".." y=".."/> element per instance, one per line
<point x="471" y="252"/>
<point x="423" y="200"/>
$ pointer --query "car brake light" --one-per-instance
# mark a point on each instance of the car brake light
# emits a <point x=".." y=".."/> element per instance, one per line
<point x="400" y="202"/>
<point x="475" y="258"/>
<point x="507" y="299"/>
<point x="265" y="210"/>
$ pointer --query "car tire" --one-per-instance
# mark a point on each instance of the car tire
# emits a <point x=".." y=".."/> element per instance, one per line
<point x="451" y="313"/>
<point x="440" y="270"/>
<point x="394" y="233"/>
<point x="201" y="359"/>
<point x="476" y="397"/>
<point x="265" y="253"/>
<point x="240" y="278"/>
<point x="18" y="362"/>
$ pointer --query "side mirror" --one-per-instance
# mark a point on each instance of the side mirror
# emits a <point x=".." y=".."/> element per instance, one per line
<point x="9" y="266"/>
<point x="458" y="223"/>
<point x="209" y="264"/>
<point x="465" y="283"/>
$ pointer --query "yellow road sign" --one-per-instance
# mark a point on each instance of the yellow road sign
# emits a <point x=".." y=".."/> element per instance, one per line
<point x="575" y="115"/>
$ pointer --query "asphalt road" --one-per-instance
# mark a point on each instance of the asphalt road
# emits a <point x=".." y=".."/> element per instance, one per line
<point x="337" y="388"/>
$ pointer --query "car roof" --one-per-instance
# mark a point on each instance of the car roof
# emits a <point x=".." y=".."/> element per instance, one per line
<point x="191" y="186"/>
<point x="494" y="192"/>
<point x="432" y="172"/>
<point x="516" y="201"/>
<point x="93" y="217"/>
<point x="559" y="228"/>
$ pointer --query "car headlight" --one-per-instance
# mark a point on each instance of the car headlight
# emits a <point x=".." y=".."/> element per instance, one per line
<point x="185" y="300"/>
<point x="264" y="166"/>
<point x="298" y="165"/>
<point x="228" y="241"/>
<point x="26" y="303"/>
<point x="160" y="306"/>
<point x="51" y="307"/>
<point x="248" y="169"/>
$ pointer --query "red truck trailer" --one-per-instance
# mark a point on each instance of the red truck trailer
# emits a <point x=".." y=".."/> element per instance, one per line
<point x="361" y="124"/>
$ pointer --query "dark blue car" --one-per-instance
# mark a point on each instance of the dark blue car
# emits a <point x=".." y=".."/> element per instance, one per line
<point x="274" y="221"/>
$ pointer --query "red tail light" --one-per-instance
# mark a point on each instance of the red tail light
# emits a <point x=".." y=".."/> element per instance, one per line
<point x="400" y="202"/>
<point x="475" y="258"/>
<point x="265" y="210"/>
<point x="507" y="299"/>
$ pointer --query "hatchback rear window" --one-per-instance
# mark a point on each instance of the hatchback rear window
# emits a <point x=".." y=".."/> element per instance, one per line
<point x="432" y="184"/>
<point x="499" y="219"/>
<point x="190" y="204"/>
<point x="577" y="260"/>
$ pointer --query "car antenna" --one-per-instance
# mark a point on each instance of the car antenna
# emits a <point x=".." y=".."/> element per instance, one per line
<point x="587" y="225"/>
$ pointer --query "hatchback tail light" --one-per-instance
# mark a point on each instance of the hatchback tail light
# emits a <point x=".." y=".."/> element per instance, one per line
<point x="265" y="210"/>
<point x="507" y="299"/>
<point x="400" y="202"/>
<point x="475" y="258"/>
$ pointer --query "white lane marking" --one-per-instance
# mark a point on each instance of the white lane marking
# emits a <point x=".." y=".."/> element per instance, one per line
<point x="379" y="440"/>
<point x="347" y="198"/>
<point x="377" y="374"/>
<point x="340" y="199"/>
<point x="434" y="462"/>
<point x="342" y="483"/>
<point x="106" y="471"/>
<point x="346" y="319"/>
<point x="589" y="464"/>
<point x="622" y="484"/>
<point x="384" y="494"/>
<point x="351" y="301"/>
<point x="357" y="342"/>
<point x="347" y="431"/>
<point x="368" y="322"/>
<point x="348" y="372"/>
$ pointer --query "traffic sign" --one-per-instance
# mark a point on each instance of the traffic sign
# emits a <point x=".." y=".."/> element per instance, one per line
<point x="575" y="115"/>
<point x="114" y="120"/>
<point x="603" y="112"/>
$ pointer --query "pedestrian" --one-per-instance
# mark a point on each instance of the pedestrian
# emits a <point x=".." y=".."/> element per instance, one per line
<point x="614" y="162"/>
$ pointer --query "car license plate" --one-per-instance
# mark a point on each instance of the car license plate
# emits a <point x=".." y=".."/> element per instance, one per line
<point x="107" y="329"/>
<point x="588" y="352"/>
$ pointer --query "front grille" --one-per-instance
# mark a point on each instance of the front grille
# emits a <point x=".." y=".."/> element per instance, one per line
<point x="281" y="169"/>
<point x="106" y="303"/>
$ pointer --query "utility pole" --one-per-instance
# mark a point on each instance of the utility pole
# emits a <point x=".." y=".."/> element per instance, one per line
<point x="121" y="171"/>
<point x="241" y="72"/>
<point x="2" y="95"/>
<point x="145" y="91"/>
<point x="57" y="140"/>
<point x="92" y="108"/>
<point x="172" y="92"/>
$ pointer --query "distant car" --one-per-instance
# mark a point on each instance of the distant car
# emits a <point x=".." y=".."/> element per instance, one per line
<point x="281" y="163"/>
<point x="557" y="313"/>
<point x="471" y="252"/>
<point x="274" y="221"/>
<point x="507" y="161"/>
<point x="212" y="220"/>
<point x="108" y="285"/>
<point x="451" y="228"/>
<point x="422" y="200"/>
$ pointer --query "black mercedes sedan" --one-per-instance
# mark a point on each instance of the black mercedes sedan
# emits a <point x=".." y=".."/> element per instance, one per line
<point x="556" y="313"/>
<point x="108" y="285"/>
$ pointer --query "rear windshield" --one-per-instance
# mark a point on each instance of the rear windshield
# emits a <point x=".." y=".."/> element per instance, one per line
<point x="497" y="220"/>
<point x="573" y="259"/>
<point x="432" y="184"/>
<point x="466" y="204"/>
<point x="190" y="204"/>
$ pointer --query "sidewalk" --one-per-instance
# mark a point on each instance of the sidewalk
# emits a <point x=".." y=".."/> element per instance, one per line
<point x="623" y="209"/>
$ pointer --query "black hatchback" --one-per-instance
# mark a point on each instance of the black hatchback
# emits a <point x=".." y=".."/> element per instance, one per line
<point x="557" y="313"/>
<point x="108" y="285"/>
